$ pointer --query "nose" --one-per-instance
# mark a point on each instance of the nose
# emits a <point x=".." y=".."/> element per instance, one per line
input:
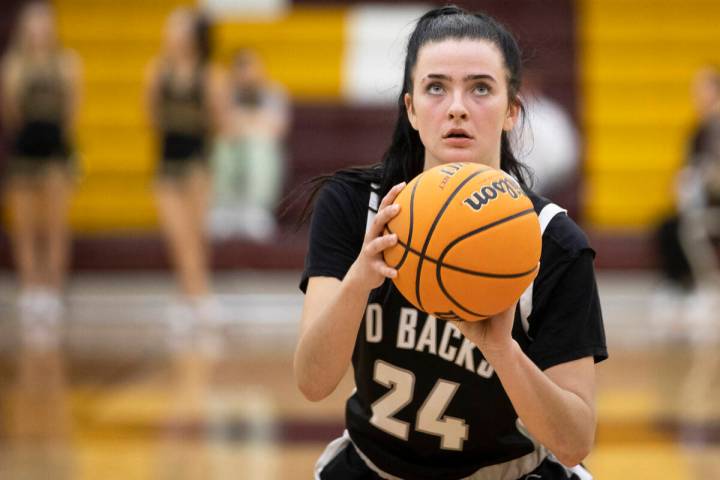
<point x="457" y="108"/>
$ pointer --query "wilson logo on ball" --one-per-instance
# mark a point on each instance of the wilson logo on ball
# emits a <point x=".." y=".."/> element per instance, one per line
<point x="449" y="171"/>
<point x="490" y="192"/>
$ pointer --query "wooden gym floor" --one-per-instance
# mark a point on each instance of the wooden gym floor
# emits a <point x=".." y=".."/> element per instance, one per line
<point x="114" y="400"/>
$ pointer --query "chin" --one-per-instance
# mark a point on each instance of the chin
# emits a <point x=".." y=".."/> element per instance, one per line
<point x="460" y="157"/>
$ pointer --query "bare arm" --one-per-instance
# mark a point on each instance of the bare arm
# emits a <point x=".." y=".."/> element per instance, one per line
<point x="219" y="98"/>
<point x="72" y="75"/>
<point x="10" y="84"/>
<point x="152" y="93"/>
<point x="331" y="316"/>
<point x="557" y="406"/>
<point x="333" y="310"/>
<point x="278" y="113"/>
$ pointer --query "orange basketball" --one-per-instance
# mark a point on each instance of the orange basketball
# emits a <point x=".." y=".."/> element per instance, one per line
<point x="468" y="241"/>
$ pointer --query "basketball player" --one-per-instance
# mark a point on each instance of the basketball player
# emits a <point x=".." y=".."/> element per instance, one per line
<point x="184" y="99"/>
<point x="40" y="92"/>
<point x="506" y="398"/>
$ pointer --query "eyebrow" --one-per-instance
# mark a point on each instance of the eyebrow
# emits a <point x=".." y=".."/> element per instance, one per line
<point x="472" y="76"/>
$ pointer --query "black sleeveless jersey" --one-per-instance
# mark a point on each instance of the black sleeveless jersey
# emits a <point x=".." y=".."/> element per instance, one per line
<point x="427" y="405"/>
<point x="43" y="94"/>
<point x="42" y="103"/>
<point x="183" y="108"/>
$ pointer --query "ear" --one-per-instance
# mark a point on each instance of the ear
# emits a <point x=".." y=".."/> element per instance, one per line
<point x="512" y="116"/>
<point x="410" y="110"/>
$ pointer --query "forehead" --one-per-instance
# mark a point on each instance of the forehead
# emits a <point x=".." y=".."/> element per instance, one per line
<point x="180" y="19"/>
<point x="459" y="57"/>
<point x="38" y="12"/>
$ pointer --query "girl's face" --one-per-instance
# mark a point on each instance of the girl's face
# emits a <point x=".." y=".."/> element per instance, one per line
<point x="459" y="102"/>
<point x="38" y="26"/>
<point x="248" y="70"/>
<point x="179" y="33"/>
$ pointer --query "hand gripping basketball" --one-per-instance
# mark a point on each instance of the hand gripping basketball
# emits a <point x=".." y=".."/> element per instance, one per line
<point x="370" y="268"/>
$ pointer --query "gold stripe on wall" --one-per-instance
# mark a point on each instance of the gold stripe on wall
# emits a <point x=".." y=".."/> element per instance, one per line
<point x="302" y="50"/>
<point x="637" y="61"/>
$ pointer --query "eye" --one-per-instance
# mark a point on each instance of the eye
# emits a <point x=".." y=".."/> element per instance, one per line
<point x="435" y="89"/>
<point x="481" y="89"/>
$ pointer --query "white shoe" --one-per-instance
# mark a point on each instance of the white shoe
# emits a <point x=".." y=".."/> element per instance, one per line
<point x="666" y="305"/>
<point x="222" y="222"/>
<point x="259" y="224"/>
<point x="41" y="312"/>
<point x="196" y="325"/>
<point x="211" y="317"/>
<point x="700" y="317"/>
<point x="179" y="320"/>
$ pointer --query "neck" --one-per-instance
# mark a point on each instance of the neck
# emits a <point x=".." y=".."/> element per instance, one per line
<point x="431" y="161"/>
<point x="182" y="58"/>
<point x="37" y="51"/>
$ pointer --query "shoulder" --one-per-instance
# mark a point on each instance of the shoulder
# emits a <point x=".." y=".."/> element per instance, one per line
<point x="562" y="232"/>
<point x="341" y="204"/>
<point x="566" y="234"/>
<point x="345" y="191"/>
<point x="11" y="64"/>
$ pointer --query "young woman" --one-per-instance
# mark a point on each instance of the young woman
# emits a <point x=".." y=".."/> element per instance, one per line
<point x="184" y="99"/>
<point x="248" y="162"/>
<point x="699" y="182"/>
<point x="506" y="398"/>
<point x="40" y="95"/>
<point x="688" y="261"/>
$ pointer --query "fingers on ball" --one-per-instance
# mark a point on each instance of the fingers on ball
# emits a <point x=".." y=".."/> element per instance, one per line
<point x="381" y="243"/>
<point x="383" y="216"/>
<point x="390" y="211"/>
<point x="385" y="270"/>
<point x="387" y="199"/>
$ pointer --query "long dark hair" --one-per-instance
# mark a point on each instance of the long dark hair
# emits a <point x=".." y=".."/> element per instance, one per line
<point x="203" y="37"/>
<point x="405" y="157"/>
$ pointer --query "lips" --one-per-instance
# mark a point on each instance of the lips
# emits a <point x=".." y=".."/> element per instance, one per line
<point x="458" y="133"/>
<point x="457" y="138"/>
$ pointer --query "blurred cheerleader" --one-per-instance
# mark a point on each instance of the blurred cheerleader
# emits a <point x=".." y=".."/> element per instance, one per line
<point x="40" y="87"/>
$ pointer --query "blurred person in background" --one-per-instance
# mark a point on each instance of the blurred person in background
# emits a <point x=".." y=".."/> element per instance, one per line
<point x="685" y="240"/>
<point x="184" y="95"/>
<point x="697" y="227"/>
<point x="40" y="97"/>
<point x="249" y="163"/>
<point x="549" y="142"/>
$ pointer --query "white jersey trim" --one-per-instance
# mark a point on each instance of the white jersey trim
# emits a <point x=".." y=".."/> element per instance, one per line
<point x="548" y="212"/>
<point x="330" y="452"/>
<point x="373" y="205"/>
<point x="510" y="470"/>
<point x="581" y="472"/>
